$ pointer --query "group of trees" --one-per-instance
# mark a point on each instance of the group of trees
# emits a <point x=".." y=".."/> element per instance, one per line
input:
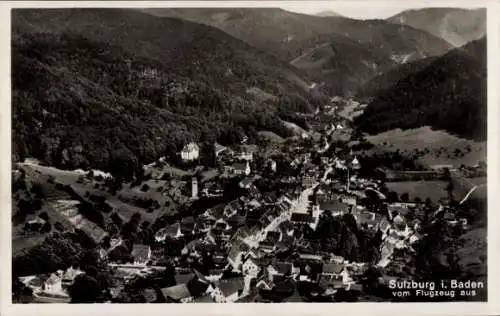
<point x="393" y="160"/>
<point x="57" y="251"/>
<point x="28" y="200"/>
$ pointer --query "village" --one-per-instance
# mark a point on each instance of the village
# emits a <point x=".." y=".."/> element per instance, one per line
<point x="265" y="244"/>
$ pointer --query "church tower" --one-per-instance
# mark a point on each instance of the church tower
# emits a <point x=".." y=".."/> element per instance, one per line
<point x="194" y="188"/>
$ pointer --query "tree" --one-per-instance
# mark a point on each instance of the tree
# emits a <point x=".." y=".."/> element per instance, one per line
<point x="44" y="216"/>
<point x="405" y="197"/>
<point x="136" y="217"/>
<point x="145" y="225"/>
<point x="85" y="289"/>
<point x="46" y="228"/>
<point x="38" y="190"/>
<point x="449" y="189"/>
<point x="89" y="259"/>
<point x="58" y="226"/>
<point x="446" y="174"/>
<point x="392" y="196"/>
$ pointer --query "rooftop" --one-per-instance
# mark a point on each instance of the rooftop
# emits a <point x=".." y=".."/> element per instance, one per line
<point x="301" y="218"/>
<point x="140" y="251"/>
<point x="332" y="268"/>
<point x="176" y="292"/>
<point x="230" y="286"/>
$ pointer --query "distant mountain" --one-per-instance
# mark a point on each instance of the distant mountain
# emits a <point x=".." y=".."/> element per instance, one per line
<point x="111" y="88"/>
<point x="327" y="13"/>
<point x="344" y="64"/>
<point x="457" y="26"/>
<point x="190" y="49"/>
<point x="448" y="94"/>
<point x="376" y="44"/>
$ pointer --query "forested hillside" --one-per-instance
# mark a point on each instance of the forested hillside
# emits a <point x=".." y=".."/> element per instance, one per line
<point x="98" y="96"/>
<point x="389" y="78"/>
<point x="448" y="94"/>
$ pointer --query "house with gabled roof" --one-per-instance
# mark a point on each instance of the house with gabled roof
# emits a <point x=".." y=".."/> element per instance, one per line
<point x="332" y="282"/>
<point x="229" y="290"/>
<point x="332" y="268"/>
<point x="279" y="268"/>
<point x="241" y="168"/>
<point x="246" y="183"/>
<point x="302" y="218"/>
<point x="53" y="286"/>
<point x="141" y="254"/>
<point x="267" y="246"/>
<point x="250" y="267"/>
<point x="247" y="152"/>
<point x="263" y="283"/>
<point x="366" y="218"/>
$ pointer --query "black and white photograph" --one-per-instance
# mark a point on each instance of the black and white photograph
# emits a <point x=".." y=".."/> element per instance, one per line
<point x="289" y="154"/>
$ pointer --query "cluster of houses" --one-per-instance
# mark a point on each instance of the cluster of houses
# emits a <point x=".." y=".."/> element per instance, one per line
<point x="52" y="287"/>
<point x="247" y="235"/>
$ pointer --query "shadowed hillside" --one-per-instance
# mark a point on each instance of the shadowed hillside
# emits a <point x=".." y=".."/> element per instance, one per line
<point x="448" y="94"/>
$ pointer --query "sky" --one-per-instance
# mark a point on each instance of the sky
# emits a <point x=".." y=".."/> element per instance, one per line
<point x="362" y="9"/>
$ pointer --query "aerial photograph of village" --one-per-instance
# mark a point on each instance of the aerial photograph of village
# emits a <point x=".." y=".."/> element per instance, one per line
<point x="248" y="155"/>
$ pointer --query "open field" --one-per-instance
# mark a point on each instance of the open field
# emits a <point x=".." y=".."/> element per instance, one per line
<point x="126" y="210"/>
<point x="295" y="128"/>
<point x="478" y="181"/>
<point x="157" y="171"/>
<point x="422" y="189"/>
<point x="352" y="110"/>
<point x="272" y="137"/>
<point x="441" y="146"/>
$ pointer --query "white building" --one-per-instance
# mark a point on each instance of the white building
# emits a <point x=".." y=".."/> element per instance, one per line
<point x="53" y="286"/>
<point x="355" y="163"/>
<point x="194" y="188"/>
<point x="242" y="168"/>
<point x="190" y="152"/>
<point x="272" y="165"/>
